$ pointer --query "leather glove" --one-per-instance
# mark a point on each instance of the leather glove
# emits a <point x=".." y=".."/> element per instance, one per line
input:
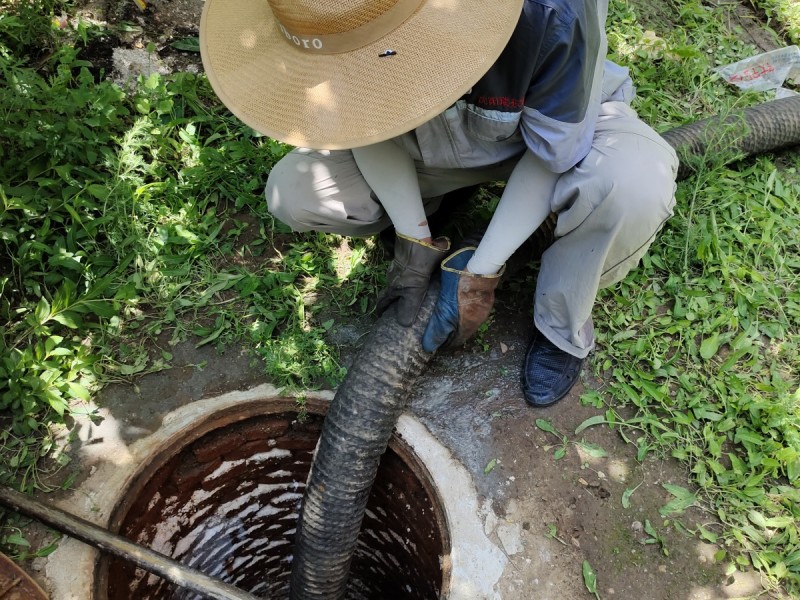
<point x="408" y="277"/>
<point x="465" y="301"/>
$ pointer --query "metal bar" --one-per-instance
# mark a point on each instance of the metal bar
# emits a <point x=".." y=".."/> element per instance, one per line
<point x="149" y="560"/>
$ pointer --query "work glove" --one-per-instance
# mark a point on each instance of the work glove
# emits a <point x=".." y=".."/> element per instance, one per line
<point x="408" y="277"/>
<point x="464" y="303"/>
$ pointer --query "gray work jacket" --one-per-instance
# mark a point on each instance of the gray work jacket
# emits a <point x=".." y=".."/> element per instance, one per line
<point x="543" y="93"/>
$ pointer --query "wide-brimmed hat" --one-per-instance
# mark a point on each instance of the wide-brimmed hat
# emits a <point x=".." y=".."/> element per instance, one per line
<point x="332" y="74"/>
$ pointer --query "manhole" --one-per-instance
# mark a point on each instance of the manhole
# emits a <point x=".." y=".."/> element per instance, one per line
<point x="224" y="499"/>
<point x="15" y="584"/>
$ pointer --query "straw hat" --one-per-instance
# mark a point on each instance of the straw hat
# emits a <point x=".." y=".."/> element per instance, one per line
<point x="332" y="74"/>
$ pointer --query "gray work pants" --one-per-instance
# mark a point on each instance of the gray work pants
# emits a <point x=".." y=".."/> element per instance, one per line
<point x="610" y="207"/>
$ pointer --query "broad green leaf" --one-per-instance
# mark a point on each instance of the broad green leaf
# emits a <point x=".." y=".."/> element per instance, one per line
<point x="626" y="497"/>
<point x="137" y="367"/>
<point x="707" y="415"/>
<point x="102" y="308"/>
<point x="61" y="351"/>
<point x="747" y="435"/>
<point x="590" y="579"/>
<point x="649" y="529"/>
<point x="17" y="540"/>
<point x="757" y="519"/>
<point x="67" y="262"/>
<point x="78" y="391"/>
<point x="489" y="466"/>
<point x="69" y="319"/>
<point x="793" y="470"/>
<point x="101" y="192"/>
<point x="709" y="346"/>
<point x="57" y="403"/>
<point x="653" y="391"/>
<point x="683" y="500"/>
<point x="187" y="44"/>
<point x="707" y="535"/>
<point x="590" y="422"/>
<point x="780" y="522"/>
<point x="592" y="449"/>
<point x="42" y="311"/>
<point x="545" y="425"/>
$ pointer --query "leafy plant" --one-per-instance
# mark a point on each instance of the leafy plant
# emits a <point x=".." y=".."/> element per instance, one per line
<point x="561" y="450"/>
<point x="784" y="15"/>
<point x="654" y="537"/>
<point x="123" y="215"/>
<point x="702" y="341"/>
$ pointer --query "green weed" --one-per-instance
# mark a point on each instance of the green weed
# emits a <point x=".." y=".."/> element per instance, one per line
<point x="702" y="340"/>
<point x="783" y="15"/>
<point x="132" y="220"/>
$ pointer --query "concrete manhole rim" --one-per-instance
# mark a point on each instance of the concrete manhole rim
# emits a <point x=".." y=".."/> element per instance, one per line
<point x="476" y="564"/>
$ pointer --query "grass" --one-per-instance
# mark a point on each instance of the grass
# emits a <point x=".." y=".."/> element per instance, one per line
<point x="702" y="341"/>
<point x="784" y="15"/>
<point x="131" y="221"/>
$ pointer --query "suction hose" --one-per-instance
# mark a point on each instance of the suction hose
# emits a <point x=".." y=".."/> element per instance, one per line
<point x="761" y="128"/>
<point x="354" y="436"/>
<point x="367" y="405"/>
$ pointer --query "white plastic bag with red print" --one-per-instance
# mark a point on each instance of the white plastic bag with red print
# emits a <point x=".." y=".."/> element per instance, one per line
<point x="766" y="71"/>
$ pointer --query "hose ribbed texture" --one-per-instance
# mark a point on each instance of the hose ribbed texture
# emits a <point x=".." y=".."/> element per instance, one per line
<point x="367" y="405"/>
<point x="768" y="126"/>
<point x="354" y="436"/>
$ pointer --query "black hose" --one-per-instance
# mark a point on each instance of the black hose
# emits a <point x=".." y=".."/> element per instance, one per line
<point x="723" y="139"/>
<point x="354" y="436"/>
<point x="367" y="405"/>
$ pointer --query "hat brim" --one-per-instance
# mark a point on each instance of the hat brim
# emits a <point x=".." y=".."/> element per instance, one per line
<point x="352" y="99"/>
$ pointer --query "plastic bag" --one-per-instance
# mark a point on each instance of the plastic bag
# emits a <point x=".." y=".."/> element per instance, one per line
<point x="782" y="92"/>
<point x="766" y="71"/>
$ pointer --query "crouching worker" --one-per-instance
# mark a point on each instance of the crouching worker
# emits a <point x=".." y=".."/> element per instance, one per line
<point x="393" y="103"/>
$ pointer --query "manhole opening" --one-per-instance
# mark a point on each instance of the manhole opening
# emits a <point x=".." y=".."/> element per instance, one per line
<point x="16" y="584"/>
<point x="225" y="500"/>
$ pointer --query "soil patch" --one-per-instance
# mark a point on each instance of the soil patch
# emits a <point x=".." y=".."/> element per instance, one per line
<point x="551" y="514"/>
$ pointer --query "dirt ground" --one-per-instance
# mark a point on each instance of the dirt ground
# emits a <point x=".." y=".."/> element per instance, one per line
<point x="547" y="515"/>
<point x="565" y="510"/>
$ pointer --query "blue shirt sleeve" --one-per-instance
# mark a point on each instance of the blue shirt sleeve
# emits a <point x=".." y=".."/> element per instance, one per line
<point x="563" y="99"/>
